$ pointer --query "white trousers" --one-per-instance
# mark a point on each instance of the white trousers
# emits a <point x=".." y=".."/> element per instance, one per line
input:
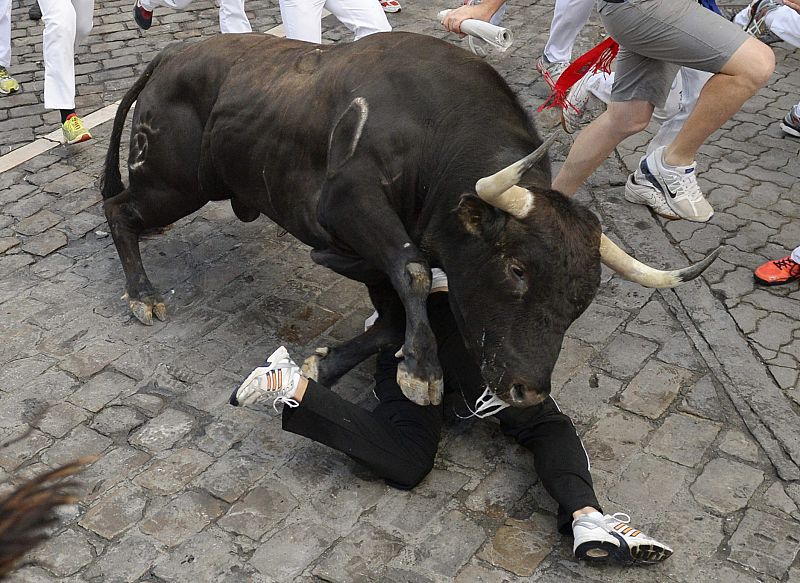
<point x="796" y="255"/>
<point x="302" y="19"/>
<point x="67" y="23"/>
<point x="783" y="21"/>
<point x="232" y="17"/>
<point x="569" y="17"/>
<point x="5" y="33"/>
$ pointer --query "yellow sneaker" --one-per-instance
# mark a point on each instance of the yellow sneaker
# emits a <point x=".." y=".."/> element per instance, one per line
<point x="7" y="83"/>
<point x="73" y="129"/>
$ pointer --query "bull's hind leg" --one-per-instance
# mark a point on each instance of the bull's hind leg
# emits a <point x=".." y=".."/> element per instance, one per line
<point x="130" y="213"/>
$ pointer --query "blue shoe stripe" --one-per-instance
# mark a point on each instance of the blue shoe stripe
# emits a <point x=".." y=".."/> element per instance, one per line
<point x="650" y="176"/>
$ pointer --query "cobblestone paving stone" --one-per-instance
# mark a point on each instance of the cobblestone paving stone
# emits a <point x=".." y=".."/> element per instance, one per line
<point x="687" y="400"/>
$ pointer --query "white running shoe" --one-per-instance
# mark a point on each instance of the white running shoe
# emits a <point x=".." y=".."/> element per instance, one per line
<point x="639" y="191"/>
<point x="603" y="538"/>
<point x="573" y="115"/>
<point x="551" y="71"/>
<point x="679" y="186"/>
<point x="277" y="378"/>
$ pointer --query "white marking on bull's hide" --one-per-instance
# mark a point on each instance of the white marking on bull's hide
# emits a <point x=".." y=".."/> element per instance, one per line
<point x="407" y="245"/>
<point x="363" y="113"/>
<point x="138" y="154"/>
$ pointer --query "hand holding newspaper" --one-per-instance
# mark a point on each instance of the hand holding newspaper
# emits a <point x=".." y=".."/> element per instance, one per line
<point x="497" y="36"/>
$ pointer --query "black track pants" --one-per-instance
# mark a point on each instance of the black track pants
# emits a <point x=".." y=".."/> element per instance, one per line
<point x="398" y="440"/>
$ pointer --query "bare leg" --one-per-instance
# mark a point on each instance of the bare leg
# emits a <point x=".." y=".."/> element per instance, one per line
<point x="742" y="76"/>
<point x="596" y="142"/>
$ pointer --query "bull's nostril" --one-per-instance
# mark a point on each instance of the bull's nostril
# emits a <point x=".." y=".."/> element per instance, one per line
<point x="518" y="392"/>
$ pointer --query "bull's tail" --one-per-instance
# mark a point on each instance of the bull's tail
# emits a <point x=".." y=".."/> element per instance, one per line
<point x="112" y="180"/>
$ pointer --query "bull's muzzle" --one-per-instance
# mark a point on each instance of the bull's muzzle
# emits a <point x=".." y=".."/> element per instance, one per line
<point x="521" y="396"/>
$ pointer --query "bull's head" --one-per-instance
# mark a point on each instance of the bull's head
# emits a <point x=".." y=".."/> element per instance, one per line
<point x="528" y="267"/>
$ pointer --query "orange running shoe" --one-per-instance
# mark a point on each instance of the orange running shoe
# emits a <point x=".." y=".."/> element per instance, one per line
<point x="777" y="272"/>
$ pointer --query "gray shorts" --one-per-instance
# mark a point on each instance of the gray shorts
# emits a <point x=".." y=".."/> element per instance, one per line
<point x="657" y="37"/>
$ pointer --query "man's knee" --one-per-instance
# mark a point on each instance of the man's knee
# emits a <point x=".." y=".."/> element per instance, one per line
<point x="763" y="65"/>
<point x="628" y="118"/>
<point x="754" y="62"/>
<point x="413" y="475"/>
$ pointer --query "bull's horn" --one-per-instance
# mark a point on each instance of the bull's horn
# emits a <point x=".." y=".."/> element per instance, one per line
<point x="501" y="190"/>
<point x="633" y="270"/>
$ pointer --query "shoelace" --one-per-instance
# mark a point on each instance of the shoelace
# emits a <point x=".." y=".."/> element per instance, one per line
<point x="685" y="187"/>
<point x="486" y="405"/>
<point x="273" y="379"/>
<point x="786" y="263"/>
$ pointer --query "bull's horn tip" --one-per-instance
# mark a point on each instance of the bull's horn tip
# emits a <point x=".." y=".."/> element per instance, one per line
<point x="693" y="271"/>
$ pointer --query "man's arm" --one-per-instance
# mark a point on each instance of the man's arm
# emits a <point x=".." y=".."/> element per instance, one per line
<point x="483" y="11"/>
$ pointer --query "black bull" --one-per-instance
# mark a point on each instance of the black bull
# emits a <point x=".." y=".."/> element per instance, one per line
<point x="370" y="153"/>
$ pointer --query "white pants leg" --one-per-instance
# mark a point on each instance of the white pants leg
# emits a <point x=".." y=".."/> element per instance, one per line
<point x="362" y="17"/>
<point x="569" y="17"/>
<point x="5" y="33"/>
<point x="67" y="23"/>
<point x="150" y="5"/>
<point x="796" y="255"/>
<point x="783" y="21"/>
<point x="302" y="19"/>
<point x="232" y="17"/>
<point x="692" y="83"/>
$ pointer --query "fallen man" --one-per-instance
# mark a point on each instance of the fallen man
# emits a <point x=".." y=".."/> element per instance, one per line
<point x="399" y="439"/>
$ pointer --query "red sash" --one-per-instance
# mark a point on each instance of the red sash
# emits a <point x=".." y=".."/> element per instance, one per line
<point x="597" y="59"/>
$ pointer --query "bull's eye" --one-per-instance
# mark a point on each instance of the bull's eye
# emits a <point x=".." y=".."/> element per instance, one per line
<point x="518" y="271"/>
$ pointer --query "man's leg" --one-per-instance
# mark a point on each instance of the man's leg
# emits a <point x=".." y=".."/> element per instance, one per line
<point x="569" y="18"/>
<point x="362" y="17"/>
<point x="722" y="96"/>
<point x="302" y="19"/>
<point x="397" y="441"/>
<point x="597" y="140"/>
<point x="232" y="17"/>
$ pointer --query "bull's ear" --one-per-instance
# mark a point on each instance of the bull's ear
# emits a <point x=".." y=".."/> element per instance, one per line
<point x="479" y="218"/>
<point x="346" y="134"/>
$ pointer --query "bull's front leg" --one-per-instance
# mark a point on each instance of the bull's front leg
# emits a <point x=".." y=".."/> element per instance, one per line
<point x="419" y="373"/>
<point x="382" y="241"/>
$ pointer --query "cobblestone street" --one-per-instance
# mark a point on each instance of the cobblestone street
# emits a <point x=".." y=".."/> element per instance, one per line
<point x="687" y="400"/>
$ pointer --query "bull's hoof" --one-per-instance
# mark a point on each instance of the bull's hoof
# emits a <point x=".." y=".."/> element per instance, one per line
<point x="418" y="390"/>
<point x="144" y="311"/>
<point x="310" y="367"/>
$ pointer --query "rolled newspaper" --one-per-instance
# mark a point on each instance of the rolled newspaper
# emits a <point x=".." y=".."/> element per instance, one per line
<point x="497" y="36"/>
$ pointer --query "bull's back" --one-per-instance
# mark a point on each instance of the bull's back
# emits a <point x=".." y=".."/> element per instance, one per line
<point x="267" y="106"/>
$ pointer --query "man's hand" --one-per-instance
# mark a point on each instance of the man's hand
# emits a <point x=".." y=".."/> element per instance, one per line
<point x="483" y="11"/>
<point x="793" y="5"/>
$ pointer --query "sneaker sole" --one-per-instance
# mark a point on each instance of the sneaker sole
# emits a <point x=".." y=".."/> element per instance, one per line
<point x="78" y="140"/>
<point x="632" y="197"/>
<point x="790" y="130"/>
<point x="392" y="10"/>
<point x="642" y="554"/>
<point x="760" y="281"/>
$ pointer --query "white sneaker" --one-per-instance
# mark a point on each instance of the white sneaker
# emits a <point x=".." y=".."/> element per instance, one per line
<point x="603" y="538"/>
<point x="551" y="71"/>
<point x="679" y="186"/>
<point x="639" y="191"/>
<point x="573" y="115"/>
<point x="278" y="377"/>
